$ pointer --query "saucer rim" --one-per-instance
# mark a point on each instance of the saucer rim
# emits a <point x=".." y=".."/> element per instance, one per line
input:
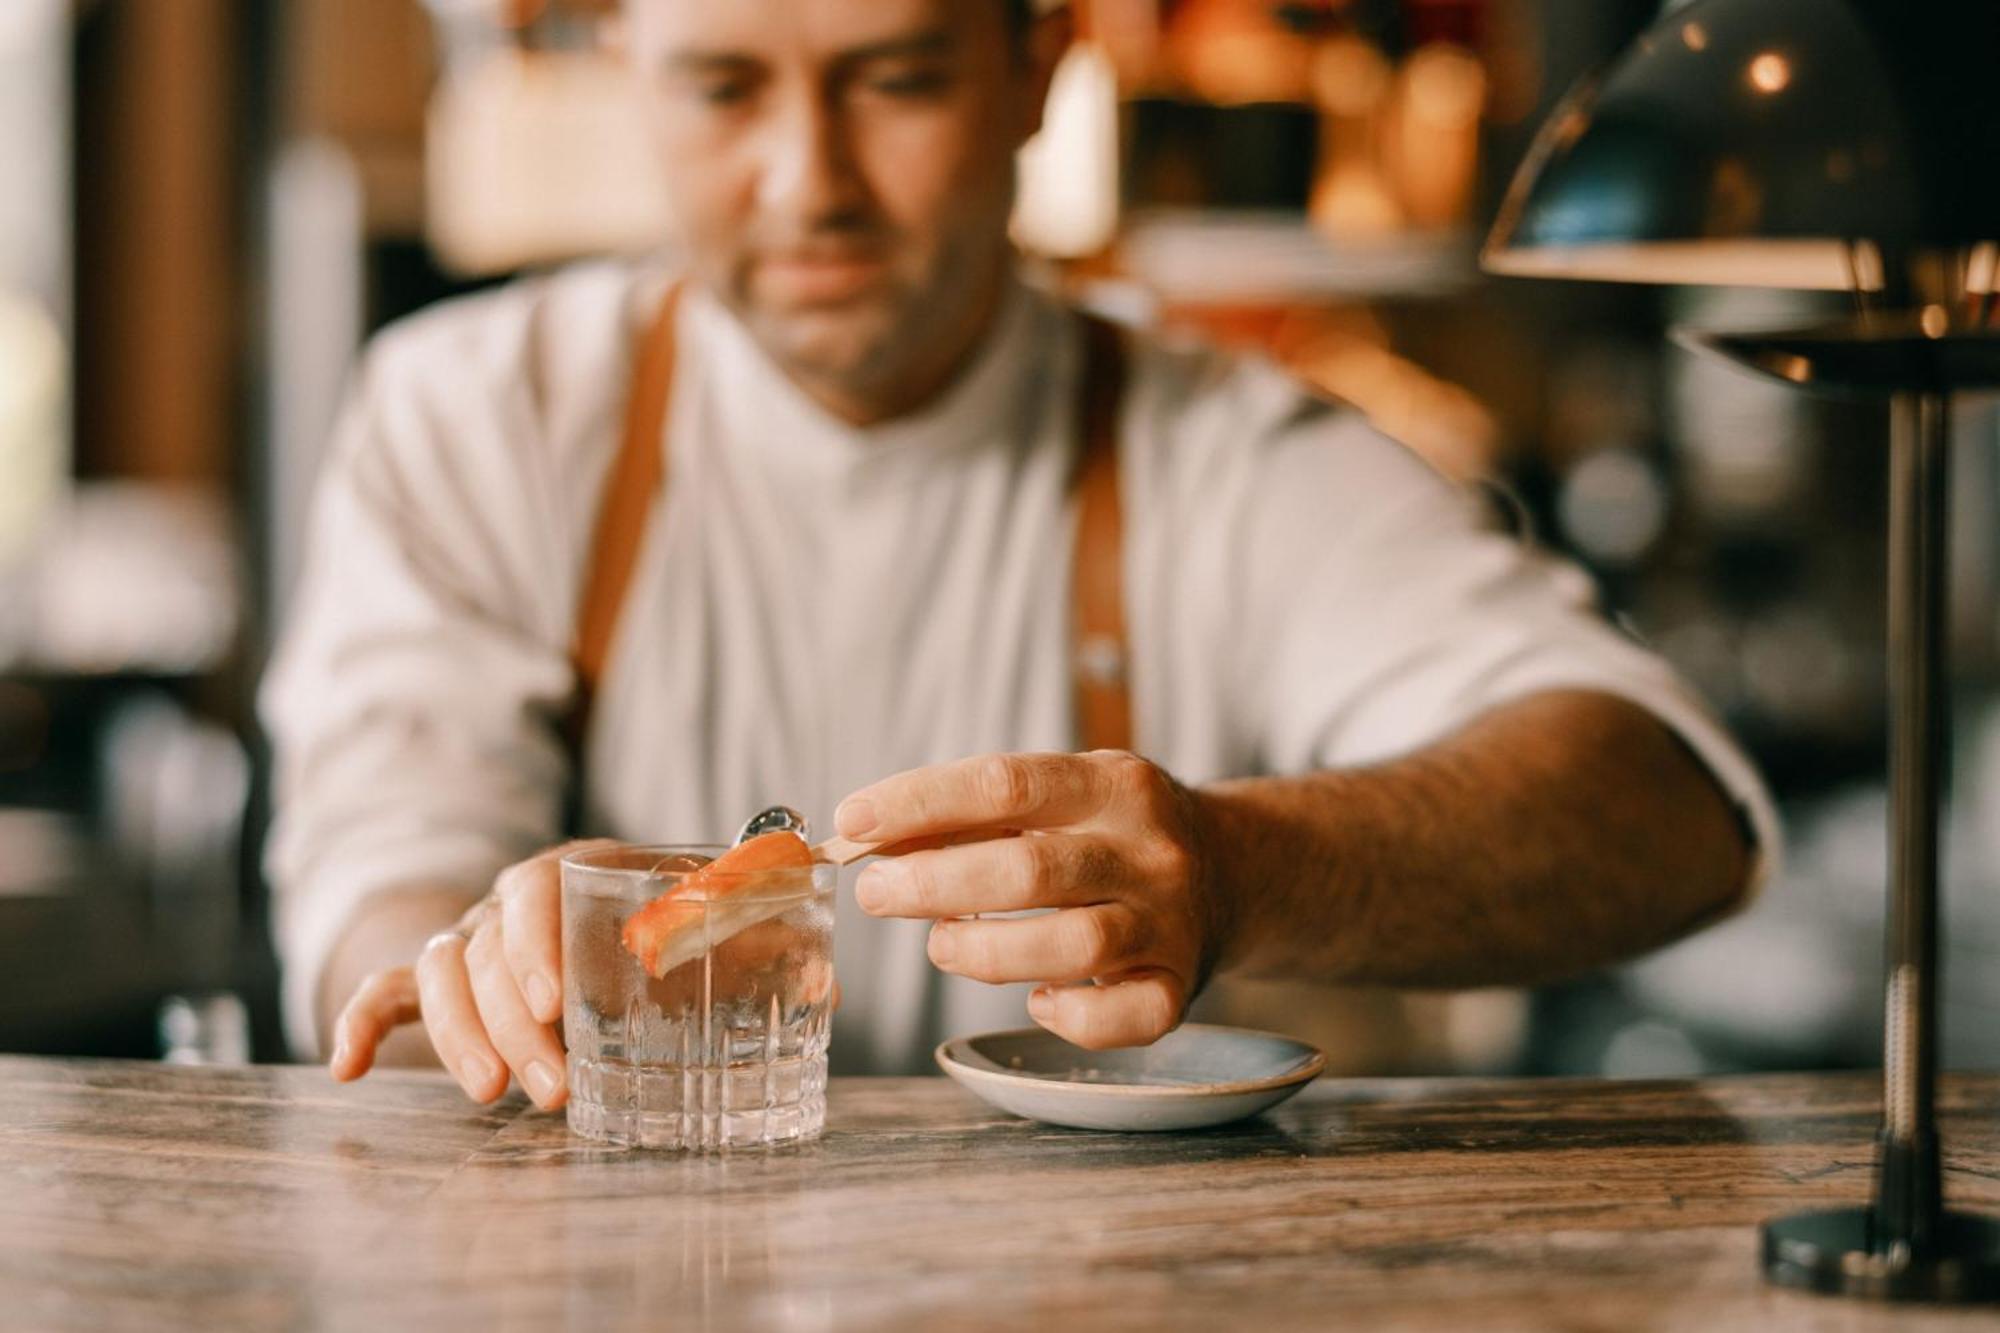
<point x="1313" y="1066"/>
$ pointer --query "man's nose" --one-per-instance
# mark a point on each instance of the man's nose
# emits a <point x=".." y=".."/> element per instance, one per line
<point x="810" y="175"/>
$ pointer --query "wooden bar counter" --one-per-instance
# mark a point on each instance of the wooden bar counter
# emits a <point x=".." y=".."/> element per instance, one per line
<point x="147" y="1196"/>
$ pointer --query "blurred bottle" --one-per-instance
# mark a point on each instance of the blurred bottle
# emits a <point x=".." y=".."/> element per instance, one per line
<point x="1351" y="196"/>
<point x="210" y="1029"/>
<point x="1067" y="206"/>
<point x="1431" y="146"/>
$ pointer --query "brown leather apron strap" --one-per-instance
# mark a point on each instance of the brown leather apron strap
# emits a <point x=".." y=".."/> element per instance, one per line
<point x="1103" y="703"/>
<point x="1097" y="577"/>
<point x="637" y="475"/>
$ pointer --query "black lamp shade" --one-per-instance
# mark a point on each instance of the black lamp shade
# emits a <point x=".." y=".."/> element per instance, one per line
<point x="1785" y="143"/>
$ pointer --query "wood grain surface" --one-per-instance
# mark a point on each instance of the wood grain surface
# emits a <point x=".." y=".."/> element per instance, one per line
<point x="145" y="1196"/>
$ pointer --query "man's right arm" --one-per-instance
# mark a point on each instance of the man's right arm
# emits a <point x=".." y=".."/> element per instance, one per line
<point x="411" y="702"/>
<point x="386" y="932"/>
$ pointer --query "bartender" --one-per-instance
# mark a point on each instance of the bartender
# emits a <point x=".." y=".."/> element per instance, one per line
<point x="840" y="507"/>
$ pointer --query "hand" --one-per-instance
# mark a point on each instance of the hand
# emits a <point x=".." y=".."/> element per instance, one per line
<point x="489" y="991"/>
<point x="1107" y="839"/>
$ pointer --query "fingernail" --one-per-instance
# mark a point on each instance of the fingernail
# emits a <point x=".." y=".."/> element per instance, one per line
<point x="541" y="1081"/>
<point x="342" y="1053"/>
<point x="855" y="818"/>
<point x="541" y="997"/>
<point x="1041" y="1006"/>
<point x="942" y="948"/>
<point x="479" y="1072"/>
<point x="871" y="890"/>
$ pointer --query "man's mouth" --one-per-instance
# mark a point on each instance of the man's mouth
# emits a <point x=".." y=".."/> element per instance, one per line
<point x="819" y="277"/>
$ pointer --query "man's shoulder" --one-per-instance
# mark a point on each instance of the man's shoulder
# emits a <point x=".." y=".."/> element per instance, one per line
<point x="544" y="333"/>
<point x="1208" y="416"/>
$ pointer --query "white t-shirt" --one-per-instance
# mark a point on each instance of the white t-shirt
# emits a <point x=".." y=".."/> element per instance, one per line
<point x="817" y="606"/>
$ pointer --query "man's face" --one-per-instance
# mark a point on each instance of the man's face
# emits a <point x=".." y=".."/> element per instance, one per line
<point x="841" y="170"/>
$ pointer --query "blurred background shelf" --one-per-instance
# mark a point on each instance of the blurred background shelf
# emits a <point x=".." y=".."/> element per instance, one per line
<point x="1239" y="257"/>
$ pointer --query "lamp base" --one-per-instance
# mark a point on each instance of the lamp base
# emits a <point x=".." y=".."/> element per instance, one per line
<point x="1834" y="1253"/>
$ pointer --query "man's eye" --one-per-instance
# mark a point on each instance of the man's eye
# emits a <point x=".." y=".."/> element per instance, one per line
<point x="724" y="93"/>
<point x="910" y="83"/>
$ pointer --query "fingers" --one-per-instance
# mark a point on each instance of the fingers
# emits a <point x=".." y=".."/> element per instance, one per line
<point x="1002" y="875"/>
<point x="382" y="1003"/>
<point x="530" y="896"/>
<point x="956" y="838"/>
<point x="451" y="1016"/>
<point x="1072" y="945"/>
<point x="529" y="1047"/>
<point x="1135" y="1010"/>
<point x="1011" y="790"/>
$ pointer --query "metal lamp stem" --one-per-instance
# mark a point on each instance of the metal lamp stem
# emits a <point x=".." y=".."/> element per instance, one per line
<point x="1908" y="1192"/>
<point x="1904" y="1245"/>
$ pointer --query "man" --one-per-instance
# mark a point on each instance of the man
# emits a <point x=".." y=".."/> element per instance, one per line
<point x="1383" y="746"/>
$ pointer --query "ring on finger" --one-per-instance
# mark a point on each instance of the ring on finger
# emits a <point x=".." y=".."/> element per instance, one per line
<point x="475" y="916"/>
<point x="460" y="932"/>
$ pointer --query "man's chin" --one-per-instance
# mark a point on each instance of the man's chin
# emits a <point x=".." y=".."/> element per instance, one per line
<point x="837" y="342"/>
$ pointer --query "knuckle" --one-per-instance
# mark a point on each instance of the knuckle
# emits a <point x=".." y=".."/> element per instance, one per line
<point x="981" y="953"/>
<point x="1130" y="775"/>
<point x="485" y="944"/>
<point x="438" y="950"/>
<point x="1096" y="937"/>
<point x="1095" y="863"/>
<point x="1169" y="859"/>
<point x="1007" y="782"/>
<point x="919" y="890"/>
<point x="505" y="1031"/>
<point x="508" y="882"/>
<point x="976" y="952"/>
<point x="512" y="1038"/>
<point x="452" y="1045"/>
<point x="1041" y="864"/>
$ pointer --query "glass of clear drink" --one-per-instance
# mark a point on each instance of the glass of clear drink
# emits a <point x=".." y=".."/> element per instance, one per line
<point x="727" y="1046"/>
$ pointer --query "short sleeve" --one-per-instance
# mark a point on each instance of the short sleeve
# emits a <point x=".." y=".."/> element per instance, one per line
<point x="1400" y="614"/>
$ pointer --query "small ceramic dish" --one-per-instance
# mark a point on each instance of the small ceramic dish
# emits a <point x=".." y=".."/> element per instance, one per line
<point x="1196" y="1076"/>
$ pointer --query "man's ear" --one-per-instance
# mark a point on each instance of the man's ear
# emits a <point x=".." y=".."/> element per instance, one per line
<point x="1042" y="48"/>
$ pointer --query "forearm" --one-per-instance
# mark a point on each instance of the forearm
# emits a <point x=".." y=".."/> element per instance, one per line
<point x="1555" y="834"/>
<point x="388" y="930"/>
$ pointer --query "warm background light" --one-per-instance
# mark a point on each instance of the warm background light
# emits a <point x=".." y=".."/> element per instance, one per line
<point x="1770" y="73"/>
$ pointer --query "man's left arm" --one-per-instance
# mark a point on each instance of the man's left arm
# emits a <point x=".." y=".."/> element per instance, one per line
<point x="1552" y="834"/>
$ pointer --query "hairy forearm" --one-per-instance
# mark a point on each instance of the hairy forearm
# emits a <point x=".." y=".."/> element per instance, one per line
<point x="387" y="930"/>
<point x="1554" y="834"/>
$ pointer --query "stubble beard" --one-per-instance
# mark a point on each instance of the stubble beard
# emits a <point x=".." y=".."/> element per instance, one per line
<point x="866" y="351"/>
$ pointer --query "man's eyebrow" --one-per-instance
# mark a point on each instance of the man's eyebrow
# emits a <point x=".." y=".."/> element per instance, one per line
<point x="936" y="41"/>
<point x="692" y="61"/>
<point x="916" y="45"/>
